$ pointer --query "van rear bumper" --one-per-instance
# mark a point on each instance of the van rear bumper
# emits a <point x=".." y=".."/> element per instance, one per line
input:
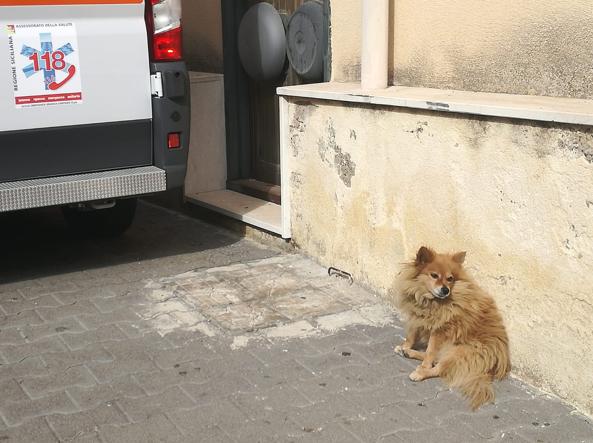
<point x="55" y="191"/>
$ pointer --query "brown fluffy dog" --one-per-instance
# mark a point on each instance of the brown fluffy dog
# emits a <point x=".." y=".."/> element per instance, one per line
<point x="467" y="345"/>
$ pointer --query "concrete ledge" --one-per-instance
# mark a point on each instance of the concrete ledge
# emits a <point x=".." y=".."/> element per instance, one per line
<point x="251" y="210"/>
<point x="525" y="107"/>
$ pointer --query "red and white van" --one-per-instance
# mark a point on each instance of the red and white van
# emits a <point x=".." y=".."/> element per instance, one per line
<point x="94" y="106"/>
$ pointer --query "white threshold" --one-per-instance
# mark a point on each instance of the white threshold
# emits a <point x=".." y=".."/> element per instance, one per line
<point x="253" y="211"/>
<point x="525" y="107"/>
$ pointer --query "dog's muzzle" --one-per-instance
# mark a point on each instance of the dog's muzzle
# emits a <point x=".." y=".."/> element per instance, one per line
<point x="441" y="293"/>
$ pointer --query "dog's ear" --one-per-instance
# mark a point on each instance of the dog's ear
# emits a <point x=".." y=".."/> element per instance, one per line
<point x="459" y="257"/>
<point x="424" y="255"/>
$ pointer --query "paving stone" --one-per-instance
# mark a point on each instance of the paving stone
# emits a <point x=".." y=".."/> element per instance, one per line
<point x="352" y="295"/>
<point x="31" y="366"/>
<point x="135" y="361"/>
<point x="134" y="329"/>
<point x="216" y="389"/>
<point x="272" y="353"/>
<point x="168" y="358"/>
<point x="372" y="426"/>
<point x="435" y="410"/>
<point x="262" y="432"/>
<point x="331" y="342"/>
<point x="245" y="316"/>
<point x="325" y="363"/>
<point x="195" y="372"/>
<point x="24" y="318"/>
<point x="48" y="329"/>
<point x="269" y="376"/>
<point x="13" y="286"/>
<point x="75" y="426"/>
<point x="124" y="387"/>
<point x="35" y="430"/>
<point x="15" y="305"/>
<point x="266" y="282"/>
<point x="11" y="336"/>
<point x="256" y="404"/>
<point x="61" y="361"/>
<point x="107" y="305"/>
<point x="375" y="352"/>
<point x="10" y="390"/>
<point x="123" y="315"/>
<point x="328" y="433"/>
<point x="87" y="293"/>
<point x="182" y="337"/>
<point x="306" y="303"/>
<point x="140" y="409"/>
<point x="569" y="429"/>
<point x="47" y="286"/>
<point x="15" y="353"/>
<point x="157" y="429"/>
<point x="513" y="389"/>
<point x="77" y="308"/>
<point x="78" y="340"/>
<point x="334" y="408"/>
<point x="450" y="433"/>
<point x="74" y="376"/>
<point x="222" y="413"/>
<point x="17" y="412"/>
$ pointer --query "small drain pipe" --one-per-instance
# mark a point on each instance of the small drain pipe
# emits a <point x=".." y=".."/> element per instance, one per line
<point x="375" y="36"/>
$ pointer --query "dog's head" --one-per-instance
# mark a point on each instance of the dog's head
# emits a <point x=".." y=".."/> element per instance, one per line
<point x="438" y="272"/>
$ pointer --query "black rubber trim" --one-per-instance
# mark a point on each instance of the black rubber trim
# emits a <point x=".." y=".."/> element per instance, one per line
<point x="171" y="113"/>
<point x="77" y="149"/>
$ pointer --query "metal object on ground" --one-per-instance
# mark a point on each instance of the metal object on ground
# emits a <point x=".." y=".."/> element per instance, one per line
<point x="63" y="190"/>
<point x="339" y="273"/>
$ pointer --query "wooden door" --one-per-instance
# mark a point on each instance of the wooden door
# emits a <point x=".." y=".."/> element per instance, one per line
<point x="253" y="142"/>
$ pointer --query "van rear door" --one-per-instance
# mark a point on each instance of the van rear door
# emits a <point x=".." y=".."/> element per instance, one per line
<point x="75" y="92"/>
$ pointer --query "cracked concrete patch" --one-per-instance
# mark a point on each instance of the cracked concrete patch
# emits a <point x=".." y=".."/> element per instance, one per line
<point x="274" y="298"/>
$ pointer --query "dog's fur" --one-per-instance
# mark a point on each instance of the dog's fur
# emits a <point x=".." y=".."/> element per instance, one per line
<point x="467" y="345"/>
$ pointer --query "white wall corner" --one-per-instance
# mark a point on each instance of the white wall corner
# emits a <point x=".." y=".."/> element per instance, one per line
<point x="284" y="168"/>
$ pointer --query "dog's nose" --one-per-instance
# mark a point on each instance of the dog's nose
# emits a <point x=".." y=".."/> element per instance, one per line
<point x="445" y="290"/>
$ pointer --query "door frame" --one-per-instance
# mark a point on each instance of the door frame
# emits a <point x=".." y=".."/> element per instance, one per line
<point x="236" y="89"/>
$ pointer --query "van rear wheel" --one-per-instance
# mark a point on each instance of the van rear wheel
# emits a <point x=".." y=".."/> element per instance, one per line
<point x="108" y="222"/>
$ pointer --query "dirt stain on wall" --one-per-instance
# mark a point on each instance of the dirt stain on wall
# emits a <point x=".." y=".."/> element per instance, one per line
<point x="342" y="161"/>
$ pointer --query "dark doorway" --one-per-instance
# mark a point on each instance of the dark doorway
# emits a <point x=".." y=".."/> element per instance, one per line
<point x="252" y="126"/>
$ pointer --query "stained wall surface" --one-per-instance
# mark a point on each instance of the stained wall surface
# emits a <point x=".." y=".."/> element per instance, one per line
<point x="534" y="47"/>
<point x="369" y="185"/>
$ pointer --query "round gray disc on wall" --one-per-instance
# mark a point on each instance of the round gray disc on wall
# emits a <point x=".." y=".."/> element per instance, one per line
<point x="305" y="41"/>
<point x="262" y="42"/>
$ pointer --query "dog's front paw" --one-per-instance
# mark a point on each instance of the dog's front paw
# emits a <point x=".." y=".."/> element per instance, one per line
<point x="399" y="350"/>
<point x="416" y="376"/>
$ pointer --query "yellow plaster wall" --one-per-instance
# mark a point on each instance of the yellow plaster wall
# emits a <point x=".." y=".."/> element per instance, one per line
<point x="535" y="47"/>
<point x="369" y="185"/>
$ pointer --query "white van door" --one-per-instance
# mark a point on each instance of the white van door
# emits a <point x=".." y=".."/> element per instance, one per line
<point x="75" y="93"/>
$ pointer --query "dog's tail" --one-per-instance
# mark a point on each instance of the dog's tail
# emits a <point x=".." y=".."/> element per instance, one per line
<point x="471" y="369"/>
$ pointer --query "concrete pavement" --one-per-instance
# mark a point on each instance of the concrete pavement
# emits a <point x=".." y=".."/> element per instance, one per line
<point x="182" y="332"/>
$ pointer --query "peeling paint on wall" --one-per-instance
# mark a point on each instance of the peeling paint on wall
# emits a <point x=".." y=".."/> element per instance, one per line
<point x="342" y="161"/>
<point x="517" y="195"/>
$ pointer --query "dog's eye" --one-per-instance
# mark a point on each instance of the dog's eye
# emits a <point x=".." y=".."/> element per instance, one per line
<point x="450" y="279"/>
<point x="433" y="275"/>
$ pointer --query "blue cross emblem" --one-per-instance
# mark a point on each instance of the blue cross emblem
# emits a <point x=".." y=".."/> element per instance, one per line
<point x="49" y="75"/>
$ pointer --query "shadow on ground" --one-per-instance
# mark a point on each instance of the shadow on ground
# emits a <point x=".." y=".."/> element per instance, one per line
<point x="38" y="243"/>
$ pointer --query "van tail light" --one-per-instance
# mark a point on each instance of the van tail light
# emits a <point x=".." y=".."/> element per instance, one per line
<point x="163" y="18"/>
<point x="174" y="140"/>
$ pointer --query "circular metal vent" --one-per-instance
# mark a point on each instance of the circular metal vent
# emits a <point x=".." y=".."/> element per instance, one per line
<point x="305" y="41"/>
<point x="262" y="42"/>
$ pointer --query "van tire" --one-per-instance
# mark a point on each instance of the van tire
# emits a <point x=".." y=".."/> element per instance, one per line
<point x="109" y="222"/>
